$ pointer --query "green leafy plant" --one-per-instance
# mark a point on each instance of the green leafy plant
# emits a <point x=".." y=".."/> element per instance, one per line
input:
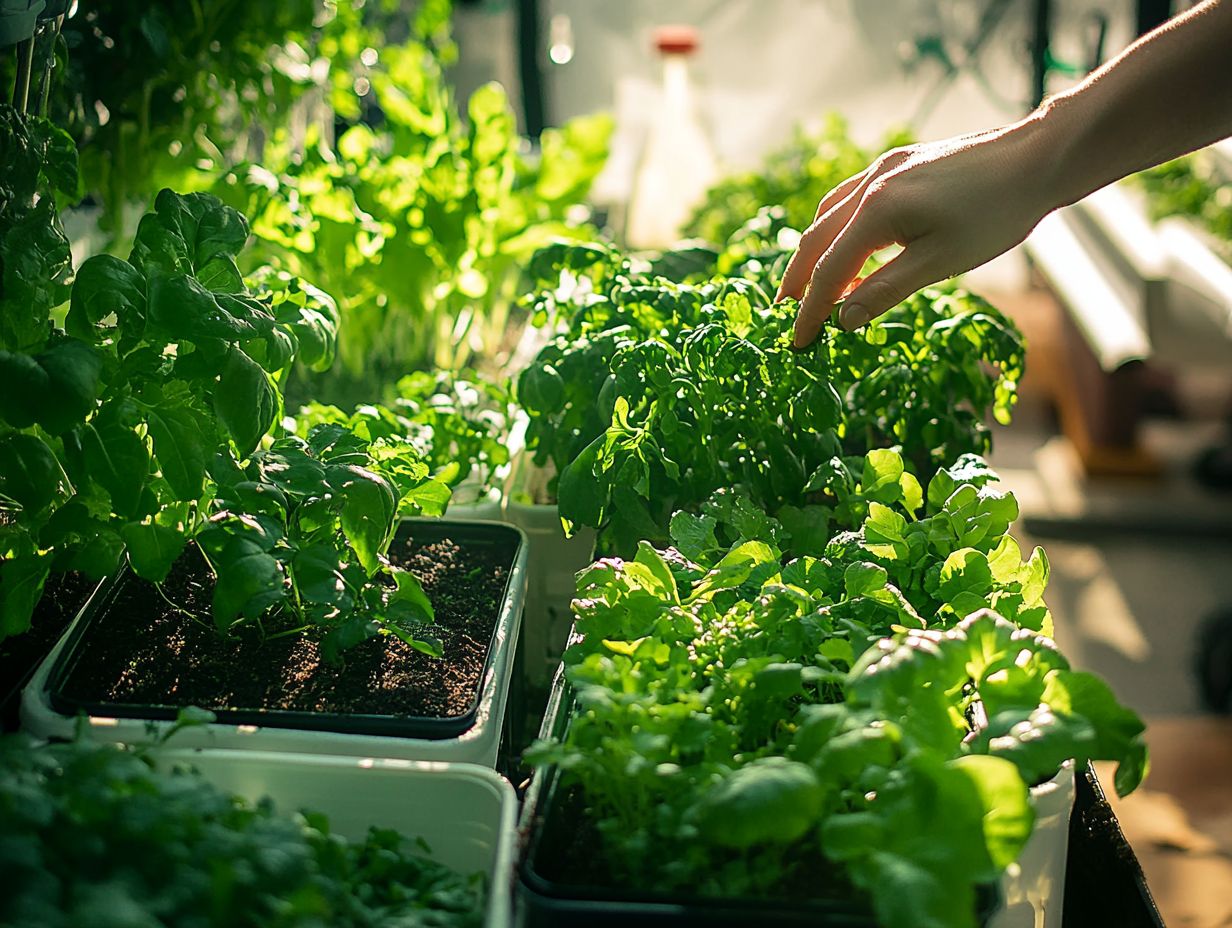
<point x="743" y="715"/>
<point x="165" y="374"/>
<point x="794" y="177"/>
<point x="457" y="423"/>
<point x="37" y="162"/>
<point x="669" y="362"/>
<point x="1192" y="186"/>
<point x="298" y="538"/>
<point x="93" y="832"/>
<point x="419" y="223"/>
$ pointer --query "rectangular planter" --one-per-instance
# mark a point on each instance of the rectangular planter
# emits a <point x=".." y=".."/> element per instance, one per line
<point x="465" y="813"/>
<point x="1030" y="894"/>
<point x="470" y="738"/>
<point x="489" y="507"/>
<point x="554" y="560"/>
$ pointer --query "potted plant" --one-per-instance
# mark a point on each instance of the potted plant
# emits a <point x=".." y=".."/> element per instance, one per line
<point x="290" y="534"/>
<point x="242" y="838"/>
<point x="743" y="744"/>
<point x="344" y="629"/>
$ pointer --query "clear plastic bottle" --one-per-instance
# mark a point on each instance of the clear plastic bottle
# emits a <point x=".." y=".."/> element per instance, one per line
<point x="678" y="163"/>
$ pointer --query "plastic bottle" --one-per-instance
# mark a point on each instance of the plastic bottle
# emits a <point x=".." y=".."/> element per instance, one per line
<point x="678" y="163"/>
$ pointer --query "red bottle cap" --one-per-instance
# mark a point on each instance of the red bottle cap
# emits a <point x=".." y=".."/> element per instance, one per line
<point x="676" y="40"/>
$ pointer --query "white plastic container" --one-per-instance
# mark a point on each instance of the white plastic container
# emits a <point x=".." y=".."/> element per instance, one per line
<point x="552" y="567"/>
<point x="488" y="507"/>
<point x="1033" y="887"/>
<point x="478" y="744"/>
<point x="466" y="814"/>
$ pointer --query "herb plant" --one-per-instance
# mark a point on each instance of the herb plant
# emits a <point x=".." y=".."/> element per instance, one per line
<point x="417" y="220"/>
<point x="94" y="835"/>
<point x="794" y="177"/>
<point x="743" y="715"/>
<point x="456" y="422"/>
<point x="144" y="429"/>
<point x="669" y="362"/>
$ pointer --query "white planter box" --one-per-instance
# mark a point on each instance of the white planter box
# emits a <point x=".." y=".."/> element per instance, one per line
<point x="479" y="744"/>
<point x="552" y="567"/>
<point x="1033" y="888"/>
<point x="466" y="814"/>
<point x="487" y="508"/>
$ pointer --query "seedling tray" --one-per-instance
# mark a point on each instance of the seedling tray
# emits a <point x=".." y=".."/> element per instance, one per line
<point x="472" y="737"/>
<point x="547" y="819"/>
<point x="464" y="813"/>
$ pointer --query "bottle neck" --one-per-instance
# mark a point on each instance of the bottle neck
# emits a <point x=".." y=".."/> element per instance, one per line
<point x="675" y="78"/>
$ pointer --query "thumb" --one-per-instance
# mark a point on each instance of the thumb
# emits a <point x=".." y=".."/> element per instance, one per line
<point x="914" y="268"/>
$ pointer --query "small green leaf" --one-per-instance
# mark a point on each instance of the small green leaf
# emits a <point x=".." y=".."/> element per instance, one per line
<point x="29" y="472"/>
<point x="21" y="587"/>
<point x="245" y="401"/>
<point x="368" y="512"/>
<point x="770" y="801"/>
<point x="152" y="548"/>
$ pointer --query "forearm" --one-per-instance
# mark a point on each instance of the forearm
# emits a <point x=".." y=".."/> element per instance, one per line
<point x="1167" y="94"/>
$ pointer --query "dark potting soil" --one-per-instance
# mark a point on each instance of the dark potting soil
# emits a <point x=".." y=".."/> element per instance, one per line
<point x="63" y="596"/>
<point x="570" y="854"/>
<point x="147" y="650"/>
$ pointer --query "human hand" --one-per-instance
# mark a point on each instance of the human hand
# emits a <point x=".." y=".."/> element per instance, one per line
<point x="952" y="205"/>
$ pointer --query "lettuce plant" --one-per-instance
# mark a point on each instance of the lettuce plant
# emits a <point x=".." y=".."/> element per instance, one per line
<point x="743" y="714"/>
<point x="419" y="219"/>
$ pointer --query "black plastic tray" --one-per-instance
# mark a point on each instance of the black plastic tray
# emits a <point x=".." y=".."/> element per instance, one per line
<point x="465" y="533"/>
<point x="547" y="904"/>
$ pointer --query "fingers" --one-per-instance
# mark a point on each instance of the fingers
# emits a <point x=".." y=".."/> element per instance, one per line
<point x="914" y="268"/>
<point x="833" y="212"/>
<point x="841" y="263"/>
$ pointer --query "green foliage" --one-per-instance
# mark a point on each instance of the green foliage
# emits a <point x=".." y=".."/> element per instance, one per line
<point x="712" y="357"/>
<point x="168" y="365"/>
<point x="457" y="423"/>
<point x="1192" y="186"/>
<point x="419" y="220"/>
<point x="93" y="835"/>
<point x="794" y="177"/>
<point x="748" y="718"/>
<point x="37" y="162"/>
<point x="300" y="534"/>
<point x="146" y="424"/>
<point x="150" y="90"/>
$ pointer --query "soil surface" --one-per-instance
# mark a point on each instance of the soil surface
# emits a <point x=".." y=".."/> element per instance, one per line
<point x="147" y="649"/>
<point x="570" y="854"/>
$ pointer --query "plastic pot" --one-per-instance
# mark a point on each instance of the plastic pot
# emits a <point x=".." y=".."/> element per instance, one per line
<point x="553" y="562"/>
<point x="1030" y="894"/>
<point x="465" y="813"/>
<point x="471" y="738"/>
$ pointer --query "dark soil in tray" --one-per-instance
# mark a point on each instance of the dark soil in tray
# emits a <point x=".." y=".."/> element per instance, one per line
<point x="63" y="596"/>
<point x="145" y="650"/>
<point x="569" y="856"/>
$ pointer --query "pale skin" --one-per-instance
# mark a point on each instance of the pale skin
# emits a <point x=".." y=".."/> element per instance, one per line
<point x="955" y="204"/>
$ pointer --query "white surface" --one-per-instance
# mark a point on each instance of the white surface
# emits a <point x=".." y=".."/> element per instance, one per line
<point x="1107" y="302"/>
<point x="465" y="813"/>
<point x="765" y="65"/>
<point x="1034" y="886"/>
<point x="552" y="567"/>
<point x="477" y="745"/>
